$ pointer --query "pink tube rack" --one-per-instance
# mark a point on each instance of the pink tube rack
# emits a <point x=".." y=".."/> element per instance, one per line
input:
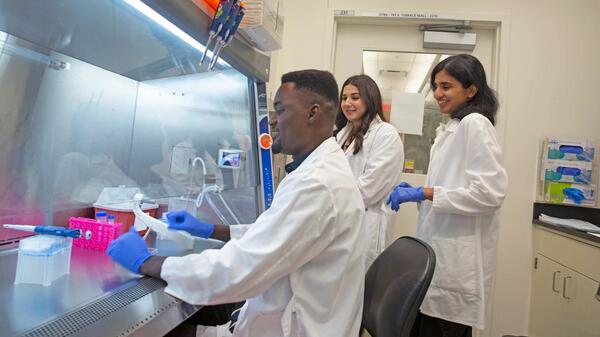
<point x="102" y="233"/>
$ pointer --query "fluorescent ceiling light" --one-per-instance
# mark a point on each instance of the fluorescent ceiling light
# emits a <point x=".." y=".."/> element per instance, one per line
<point x="150" y="13"/>
<point x="419" y="71"/>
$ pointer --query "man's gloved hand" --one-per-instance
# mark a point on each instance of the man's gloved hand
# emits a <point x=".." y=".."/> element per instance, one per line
<point x="404" y="193"/>
<point x="182" y="220"/>
<point x="129" y="250"/>
<point x="574" y="194"/>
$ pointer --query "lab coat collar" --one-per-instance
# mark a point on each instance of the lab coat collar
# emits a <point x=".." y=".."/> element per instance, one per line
<point x="448" y="127"/>
<point x="348" y="128"/>
<point x="452" y="125"/>
<point x="294" y="165"/>
<point x="375" y="120"/>
<point x="328" y="145"/>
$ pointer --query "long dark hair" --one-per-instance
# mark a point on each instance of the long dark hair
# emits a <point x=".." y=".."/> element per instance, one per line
<point x="369" y="92"/>
<point x="468" y="71"/>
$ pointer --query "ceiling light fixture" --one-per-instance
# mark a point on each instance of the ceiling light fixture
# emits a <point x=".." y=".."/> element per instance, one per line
<point x="154" y="16"/>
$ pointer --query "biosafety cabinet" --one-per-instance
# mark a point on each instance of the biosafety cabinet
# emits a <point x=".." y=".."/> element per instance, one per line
<point x="100" y="94"/>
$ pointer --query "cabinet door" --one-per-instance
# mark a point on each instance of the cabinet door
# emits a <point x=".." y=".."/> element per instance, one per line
<point x="547" y="303"/>
<point x="582" y="314"/>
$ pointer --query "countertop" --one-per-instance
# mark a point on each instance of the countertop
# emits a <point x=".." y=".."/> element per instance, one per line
<point x="573" y="232"/>
<point x="97" y="298"/>
<point x="589" y="214"/>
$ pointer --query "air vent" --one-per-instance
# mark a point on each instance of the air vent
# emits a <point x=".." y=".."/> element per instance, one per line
<point x="72" y="322"/>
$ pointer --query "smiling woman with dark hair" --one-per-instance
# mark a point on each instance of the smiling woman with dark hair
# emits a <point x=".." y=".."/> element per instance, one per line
<point x="458" y="213"/>
<point x="375" y="153"/>
<point x="468" y="71"/>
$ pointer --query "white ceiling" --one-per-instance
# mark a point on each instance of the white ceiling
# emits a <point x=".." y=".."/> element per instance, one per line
<point x="397" y="71"/>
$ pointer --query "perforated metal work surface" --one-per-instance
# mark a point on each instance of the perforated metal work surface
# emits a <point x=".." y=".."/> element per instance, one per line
<point x="72" y="322"/>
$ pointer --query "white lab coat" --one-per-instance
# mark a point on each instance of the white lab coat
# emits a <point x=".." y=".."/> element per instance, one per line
<point x="377" y="168"/>
<point x="461" y="223"/>
<point x="300" y="265"/>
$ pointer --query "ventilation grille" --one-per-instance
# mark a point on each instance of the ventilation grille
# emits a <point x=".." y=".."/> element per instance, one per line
<point x="72" y="322"/>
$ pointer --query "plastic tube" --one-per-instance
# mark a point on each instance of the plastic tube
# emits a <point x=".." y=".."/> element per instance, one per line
<point x="184" y="239"/>
<point x="101" y="216"/>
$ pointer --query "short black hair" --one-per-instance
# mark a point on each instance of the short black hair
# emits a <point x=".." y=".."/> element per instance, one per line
<point x="319" y="82"/>
<point x="469" y="71"/>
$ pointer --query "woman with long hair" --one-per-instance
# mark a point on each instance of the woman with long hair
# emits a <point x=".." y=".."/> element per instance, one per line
<point x="375" y="153"/>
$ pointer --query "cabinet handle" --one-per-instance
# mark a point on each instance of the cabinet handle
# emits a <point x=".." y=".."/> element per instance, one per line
<point x="564" y="294"/>
<point x="554" y="281"/>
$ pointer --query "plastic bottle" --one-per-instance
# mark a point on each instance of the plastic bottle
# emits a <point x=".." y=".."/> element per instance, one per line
<point x="101" y="216"/>
<point x="111" y="219"/>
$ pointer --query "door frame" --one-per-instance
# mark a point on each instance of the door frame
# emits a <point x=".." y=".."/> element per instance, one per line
<point x="498" y="74"/>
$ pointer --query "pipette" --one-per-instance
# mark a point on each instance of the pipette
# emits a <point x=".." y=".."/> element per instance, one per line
<point x="51" y="230"/>
<point x="219" y="20"/>
<point x="228" y="31"/>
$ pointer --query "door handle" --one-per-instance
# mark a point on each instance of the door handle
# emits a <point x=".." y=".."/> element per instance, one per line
<point x="564" y="292"/>
<point x="556" y="273"/>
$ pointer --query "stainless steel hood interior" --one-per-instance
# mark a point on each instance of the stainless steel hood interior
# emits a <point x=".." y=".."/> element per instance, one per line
<point x="96" y="94"/>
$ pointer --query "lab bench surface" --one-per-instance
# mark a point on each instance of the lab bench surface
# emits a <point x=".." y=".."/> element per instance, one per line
<point x="568" y="212"/>
<point x="97" y="298"/>
<point x="573" y="232"/>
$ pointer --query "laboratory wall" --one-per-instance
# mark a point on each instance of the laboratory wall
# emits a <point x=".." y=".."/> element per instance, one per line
<point x="552" y="75"/>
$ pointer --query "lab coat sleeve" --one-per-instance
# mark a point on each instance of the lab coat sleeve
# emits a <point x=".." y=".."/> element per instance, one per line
<point x="237" y="231"/>
<point x="487" y="179"/>
<point x="385" y="162"/>
<point x="298" y="226"/>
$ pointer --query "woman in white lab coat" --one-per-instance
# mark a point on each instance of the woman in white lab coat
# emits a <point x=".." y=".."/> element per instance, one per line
<point x="375" y="153"/>
<point x="458" y="213"/>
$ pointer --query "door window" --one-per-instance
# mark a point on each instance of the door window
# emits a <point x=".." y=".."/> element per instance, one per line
<point x="408" y="72"/>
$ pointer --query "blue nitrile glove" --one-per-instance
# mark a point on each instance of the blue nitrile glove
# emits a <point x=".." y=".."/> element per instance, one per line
<point x="129" y="250"/>
<point x="404" y="193"/>
<point x="574" y="194"/>
<point x="571" y="149"/>
<point x="182" y="220"/>
<point x="402" y="184"/>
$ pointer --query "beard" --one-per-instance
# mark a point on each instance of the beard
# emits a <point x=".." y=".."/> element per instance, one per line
<point x="276" y="147"/>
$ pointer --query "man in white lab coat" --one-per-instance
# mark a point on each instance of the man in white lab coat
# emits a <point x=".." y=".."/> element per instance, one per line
<point x="300" y="267"/>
